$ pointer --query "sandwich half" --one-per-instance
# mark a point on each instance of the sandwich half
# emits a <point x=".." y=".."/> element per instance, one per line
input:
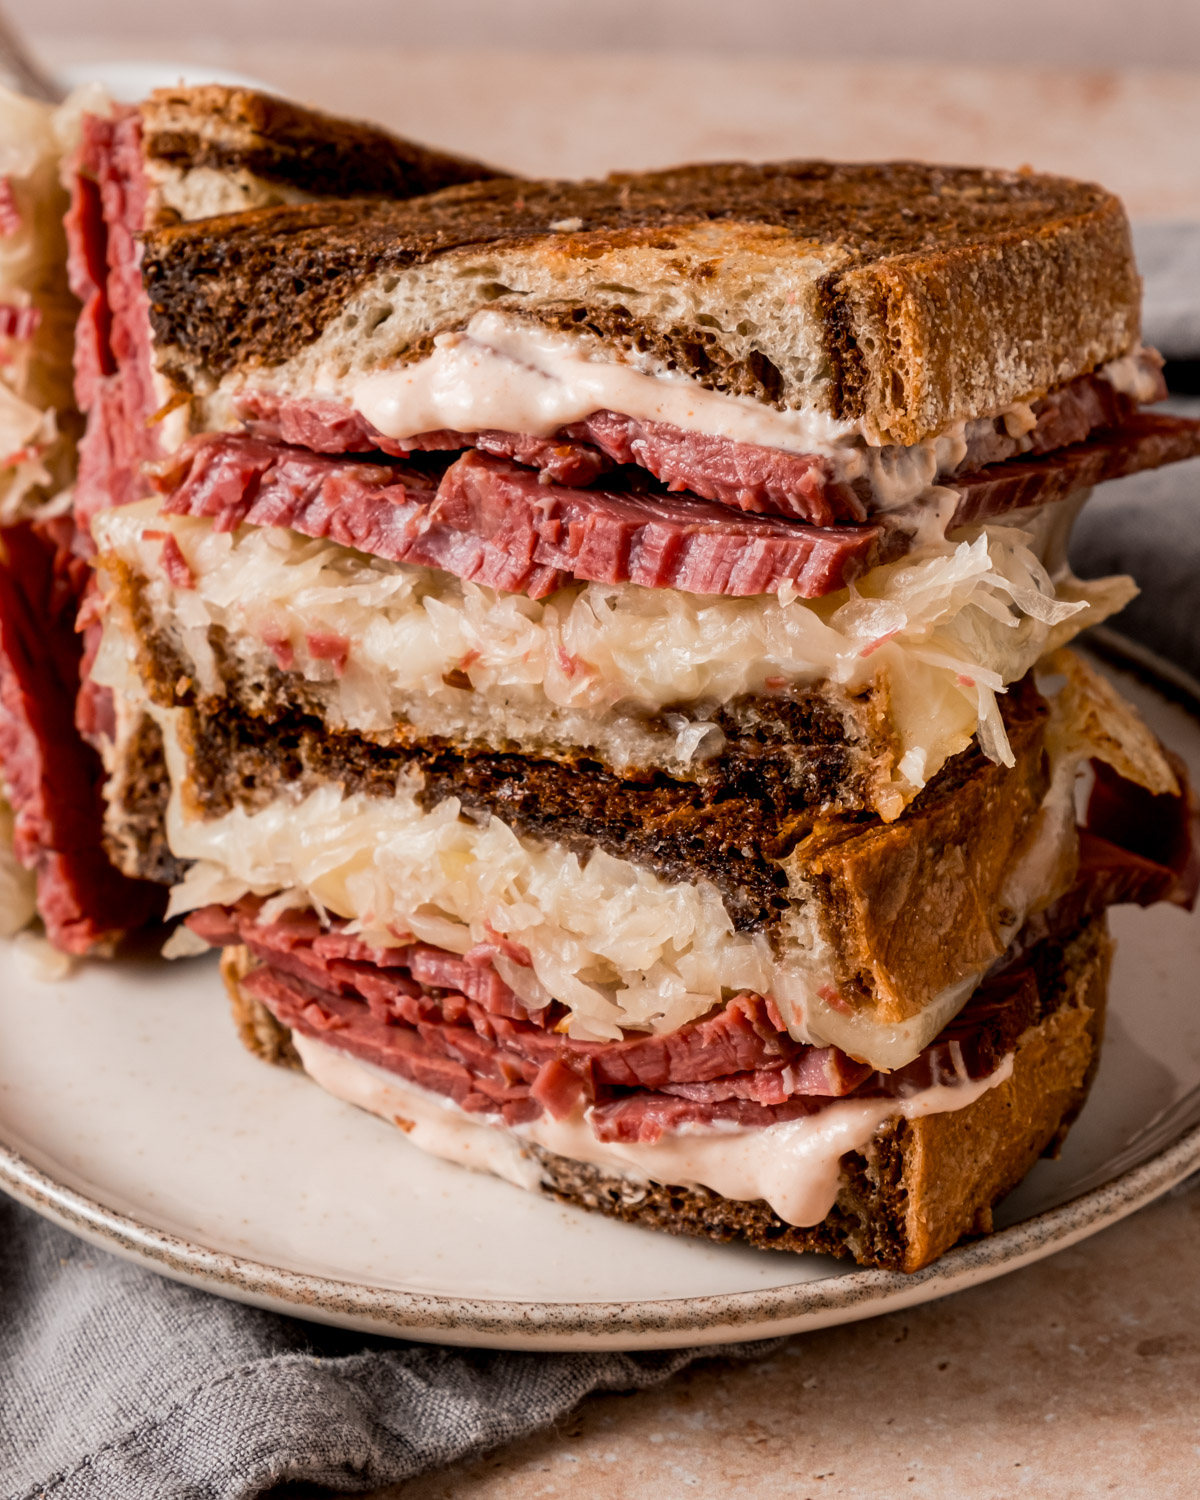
<point x="592" y="654"/>
<point x="182" y="154"/>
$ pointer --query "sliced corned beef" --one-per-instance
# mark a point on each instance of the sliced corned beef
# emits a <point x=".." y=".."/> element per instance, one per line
<point x="493" y="522"/>
<point x="1147" y="440"/>
<point x="53" y="779"/>
<point x="743" y="476"/>
<point x="451" y="1024"/>
<point x="114" y="378"/>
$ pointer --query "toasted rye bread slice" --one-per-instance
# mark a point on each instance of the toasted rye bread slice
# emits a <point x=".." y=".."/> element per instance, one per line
<point x="269" y="150"/>
<point x="920" y="1186"/>
<point x="898" y="295"/>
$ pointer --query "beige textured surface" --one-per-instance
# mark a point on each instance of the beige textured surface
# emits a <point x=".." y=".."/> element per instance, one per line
<point x="1134" y="131"/>
<point x="1074" y="1378"/>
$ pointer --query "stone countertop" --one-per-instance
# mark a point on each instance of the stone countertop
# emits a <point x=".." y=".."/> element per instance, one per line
<point x="1076" y="1377"/>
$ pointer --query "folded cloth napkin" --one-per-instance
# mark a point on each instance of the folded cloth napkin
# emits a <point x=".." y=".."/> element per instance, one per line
<point x="116" y="1384"/>
<point x="1168" y="256"/>
<point x="1149" y="526"/>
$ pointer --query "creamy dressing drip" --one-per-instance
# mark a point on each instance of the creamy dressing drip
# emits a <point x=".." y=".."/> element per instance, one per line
<point x="795" y="1166"/>
<point x="508" y="375"/>
<point x="511" y="376"/>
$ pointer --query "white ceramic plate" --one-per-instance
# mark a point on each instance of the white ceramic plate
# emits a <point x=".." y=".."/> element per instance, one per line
<point x="130" y="1114"/>
<point x="131" y="81"/>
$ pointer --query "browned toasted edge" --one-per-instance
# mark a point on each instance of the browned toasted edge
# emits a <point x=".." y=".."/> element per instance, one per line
<point x="919" y="1187"/>
<point x="781" y="819"/>
<point x="913" y="907"/>
<point x="947" y="275"/>
<point x="260" y="1032"/>
<point x="931" y="328"/>
<point x="230" y="128"/>
<point x="957" y="1167"/>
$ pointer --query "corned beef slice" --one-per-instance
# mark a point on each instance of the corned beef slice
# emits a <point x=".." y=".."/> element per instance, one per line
<point x="740" y="475"/>
<point x="495" y="523"/>
<point x="113" y="361"/>
<point x="53" y="778"/>
<point x="737" y="1066"/>
<point x="450" y="1024"/>
<point x="1147" y="440"/>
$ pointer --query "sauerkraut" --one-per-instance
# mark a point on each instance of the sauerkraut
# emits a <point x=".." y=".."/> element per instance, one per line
<point x="39" y="424"/>
<point x="945" y="630"/>
<point x="615" y="943"/>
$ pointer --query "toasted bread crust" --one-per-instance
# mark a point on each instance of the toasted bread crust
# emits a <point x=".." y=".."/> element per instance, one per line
<point x="239" y="129"/>
<point x="258" y="1029"/>
<point x="947" y="291"/>
<point x="921" y="1185"/>
<point x="913" y="906"/>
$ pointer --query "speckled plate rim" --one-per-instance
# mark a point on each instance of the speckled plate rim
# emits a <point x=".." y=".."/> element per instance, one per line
<point x="842" y="1297"/>
<point x="660" y="1324"/>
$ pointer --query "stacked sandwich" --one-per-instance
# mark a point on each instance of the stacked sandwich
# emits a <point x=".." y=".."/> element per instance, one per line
<point x="183" y="154"/>
<point x="592" y="656"/>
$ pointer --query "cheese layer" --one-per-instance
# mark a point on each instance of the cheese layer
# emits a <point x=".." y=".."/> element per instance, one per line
<point x="795" y="1167"/>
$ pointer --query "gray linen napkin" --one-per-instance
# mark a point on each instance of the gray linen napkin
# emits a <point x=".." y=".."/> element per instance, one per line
<point x="116" y="1384"/>
<point x="1168" y="256"/>
<point x="1149" y="526"/>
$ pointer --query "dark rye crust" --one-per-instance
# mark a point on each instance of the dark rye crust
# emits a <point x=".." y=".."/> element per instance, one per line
<point x="237" y="129"/>
<point x="789" y="783"/>
<point x="137" y="793"/>
<point x="943" y="273"/>
<point x="733" y="825"/>
<point x="921" y="1185"/>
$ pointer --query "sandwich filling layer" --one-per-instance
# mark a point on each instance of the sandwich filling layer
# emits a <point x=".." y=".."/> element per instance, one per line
<point x="794" y="1167"/>
<point x="640" y="676"/>
<point x="506" y="375"/>
<point x="439" y="1045"/>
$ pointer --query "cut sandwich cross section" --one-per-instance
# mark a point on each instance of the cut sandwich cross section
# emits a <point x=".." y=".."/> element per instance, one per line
<point x="889" y="1169"/>
<point x="663" y="382"/>
<point x="592" y="662"/>
<point x="726" y="1125"/>
<point x="639" y="909"/>
<point x="182" y="154"/>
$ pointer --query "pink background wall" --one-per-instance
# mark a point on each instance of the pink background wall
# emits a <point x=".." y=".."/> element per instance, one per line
<point x="1083" y="33"/>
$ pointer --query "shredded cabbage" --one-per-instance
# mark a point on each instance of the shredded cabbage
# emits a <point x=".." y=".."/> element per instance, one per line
<point x="613" y="942"/>
<point x="941" y="632"/>
<point x="38" y="420"/>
